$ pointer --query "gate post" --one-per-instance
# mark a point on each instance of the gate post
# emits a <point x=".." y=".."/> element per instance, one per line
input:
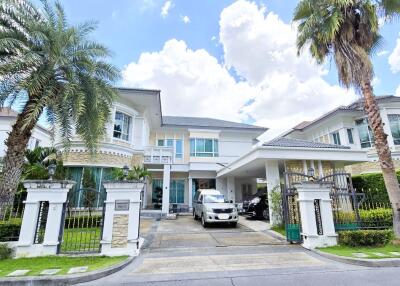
<point x="318" y="229"/>
<point x="122" y="218"/>
<point x="39" y="235"/>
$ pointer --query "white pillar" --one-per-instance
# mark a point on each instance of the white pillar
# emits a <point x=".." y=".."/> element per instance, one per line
<point x="320" y="169"/>
<point x="121" y="218"/>
<point x="166" y="184"/>
<point x="190" y="194"/>
<point x="318" y="229"/>
<point x="273" y="184"/>
<point x="230" y="185"/>
<point x="305" y="168"/>
<point x="54" y="192"/>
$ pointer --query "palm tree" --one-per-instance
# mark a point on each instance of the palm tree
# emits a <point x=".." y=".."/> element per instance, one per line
<point x="53" y="68"/>
<point x="348" y="30"/>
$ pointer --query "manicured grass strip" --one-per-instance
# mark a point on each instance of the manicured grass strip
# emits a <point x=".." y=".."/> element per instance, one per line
<point x="38" y="264"/>
<point x="279" y="229"/>
<point x="81" y="240"/>
<point x="370" y="251"/>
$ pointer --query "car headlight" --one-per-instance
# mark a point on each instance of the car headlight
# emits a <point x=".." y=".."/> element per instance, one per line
<point x="255" y="200"/>
<point x="209" y="210"/>
<point x="235" y="210"/>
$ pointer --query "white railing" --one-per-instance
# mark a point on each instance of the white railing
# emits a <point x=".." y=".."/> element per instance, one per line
<point x="158" y="155"/>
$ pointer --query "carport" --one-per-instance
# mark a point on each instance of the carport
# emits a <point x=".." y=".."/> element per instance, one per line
<point x="272" y="159"/>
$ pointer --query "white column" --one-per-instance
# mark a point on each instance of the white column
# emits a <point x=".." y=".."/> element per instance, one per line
<point x="386" y="127"/>
<point x="320" y="169"/>
<point x="273" y="184"/>
<point x="305" y="168"/>
<point x="230" y="184"/>
<point x="309" y="192"/>
<point x="166" y="184"/>
<point x="121" y="218"/>
<point x="54" y="192"/>
<point x="190" y="194"/>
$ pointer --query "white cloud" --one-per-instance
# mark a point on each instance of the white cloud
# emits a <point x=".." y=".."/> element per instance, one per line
<point x="276" y="88"/>
<point x="192" y="82"/>
<point x="145" y="5"/>
<point x="397" y="91"/>
<point x="376" y="81"/>
<point x="165" y="8"/>
<point x="115" y="14"/>
<point x="185" y="19"/>
<point x="382" y="53"/>
<point x="394" y="58"/>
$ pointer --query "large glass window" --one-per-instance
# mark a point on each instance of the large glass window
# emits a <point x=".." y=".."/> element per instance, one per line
<point x="350" y="135"/>
<point x="176" y="192"/>
<point x="394" y="121"/>
<point x="200" y="147"/>
<point x="336" y="138"/>
<point x="365" y="133"/>
<point x="177" y="144"/>
<point x="122" y="125"/>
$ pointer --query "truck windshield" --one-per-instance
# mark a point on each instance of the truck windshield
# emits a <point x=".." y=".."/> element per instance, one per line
<point x="214" y="199"/>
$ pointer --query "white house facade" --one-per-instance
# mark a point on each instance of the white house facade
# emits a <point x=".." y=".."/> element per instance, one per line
<point x="41" y="136"/>
<point x="348" y="126"/>
<point x="184" y="154"/>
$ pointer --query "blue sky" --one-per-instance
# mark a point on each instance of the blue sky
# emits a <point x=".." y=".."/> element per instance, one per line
<point x="187" y="47"/>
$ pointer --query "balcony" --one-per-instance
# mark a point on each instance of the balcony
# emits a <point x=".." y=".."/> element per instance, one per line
<point x="158" y="155"/>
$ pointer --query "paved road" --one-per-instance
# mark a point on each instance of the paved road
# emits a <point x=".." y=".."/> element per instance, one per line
<point x="181" y="252"/>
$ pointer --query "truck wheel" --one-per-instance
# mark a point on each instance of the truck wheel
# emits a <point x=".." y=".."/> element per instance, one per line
<point x="195" y="215"/>
<point x="265" y="214"/>
<point x="203" y="221"/>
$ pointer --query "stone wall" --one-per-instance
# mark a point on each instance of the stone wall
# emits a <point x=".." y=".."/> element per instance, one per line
<point x="107" y="159"/>
<point x="368" y="167"/>
<point x="120" y="231"/>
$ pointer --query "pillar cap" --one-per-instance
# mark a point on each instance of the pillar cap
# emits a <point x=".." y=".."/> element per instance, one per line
<point x="40" y="184"/>
<point x="314" y="183"/>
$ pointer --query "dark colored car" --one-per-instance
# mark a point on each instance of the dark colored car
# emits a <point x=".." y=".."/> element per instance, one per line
<point x="257" y="205"/>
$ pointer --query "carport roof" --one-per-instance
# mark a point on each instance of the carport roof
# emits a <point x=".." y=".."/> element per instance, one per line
<point x="253" y="163"/>
<point x="289" y="142"/>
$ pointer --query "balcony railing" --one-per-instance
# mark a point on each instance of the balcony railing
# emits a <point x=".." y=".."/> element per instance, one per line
<point x="158" y="155"/>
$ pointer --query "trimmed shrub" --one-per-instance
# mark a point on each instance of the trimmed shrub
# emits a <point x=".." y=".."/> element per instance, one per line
<point x="376" y="218"/>
<point x="5" y="251"/>
<point x="9" y="230"/>
<point x="370" y="237"/>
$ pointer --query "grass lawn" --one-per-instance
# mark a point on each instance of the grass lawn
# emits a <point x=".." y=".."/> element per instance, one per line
<point x="37" y="264"/>
<point x="81" y="240"/>
<point x="279" y="229"/>
<point x="370" y="251"/>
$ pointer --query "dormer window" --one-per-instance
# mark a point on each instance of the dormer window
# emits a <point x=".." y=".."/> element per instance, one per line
<point x="122" y="124"/>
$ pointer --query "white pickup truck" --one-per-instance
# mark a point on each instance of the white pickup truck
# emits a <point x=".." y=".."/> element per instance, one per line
<point x="210" y="206"/>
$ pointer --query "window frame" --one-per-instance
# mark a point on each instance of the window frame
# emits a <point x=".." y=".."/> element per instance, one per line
<point x="371" y="139"/>
<point x="203" y="153"/>
<point x="396" y="141"/>
<point x="336" y="138"/>
<point x="350" y="136"/>
<point x="129" y="135"/>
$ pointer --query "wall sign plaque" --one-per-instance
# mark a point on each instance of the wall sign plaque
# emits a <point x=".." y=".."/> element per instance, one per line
<point x="122" y="205"/>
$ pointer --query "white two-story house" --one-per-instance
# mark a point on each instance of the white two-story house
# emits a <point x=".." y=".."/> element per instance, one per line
<point x="183" y="154"/>
<point x="348" y="126"/>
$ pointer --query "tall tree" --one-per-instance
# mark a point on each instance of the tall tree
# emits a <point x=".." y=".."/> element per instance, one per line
<point x="54" y="68"/>
<point x="348" y="31"/>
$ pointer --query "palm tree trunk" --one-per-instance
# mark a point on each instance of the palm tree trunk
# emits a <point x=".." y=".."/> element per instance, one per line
<point x="13" y="162"/>
<point x="384" y="154"/>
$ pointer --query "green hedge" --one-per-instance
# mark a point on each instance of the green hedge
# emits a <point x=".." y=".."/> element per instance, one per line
<point x="373" y="186"/>
<point x="371" y="237"/>
<point x="376" y="218"/>
<point x="9" y="230"/>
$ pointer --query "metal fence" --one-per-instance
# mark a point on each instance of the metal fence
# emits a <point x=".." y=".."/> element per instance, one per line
<point x="11" y="213"/>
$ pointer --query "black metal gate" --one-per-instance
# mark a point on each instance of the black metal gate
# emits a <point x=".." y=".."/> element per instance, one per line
<point x="291" y="212"/>
<point x="345" y="203"/>
<point x="83" y="218"/>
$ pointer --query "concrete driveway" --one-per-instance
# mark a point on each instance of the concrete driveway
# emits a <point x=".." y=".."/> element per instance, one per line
<point x="182" y="252"/>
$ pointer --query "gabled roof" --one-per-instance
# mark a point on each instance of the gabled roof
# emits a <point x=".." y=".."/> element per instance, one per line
<point x="290" y="143"/>
<point x="204" y="122"/>
<point x="356" y="106"/>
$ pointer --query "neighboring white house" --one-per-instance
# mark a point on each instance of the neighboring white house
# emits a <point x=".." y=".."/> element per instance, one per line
<point x="187" y="153"/>
<point x="40" y="135"/>
<point x="348" y="126"/>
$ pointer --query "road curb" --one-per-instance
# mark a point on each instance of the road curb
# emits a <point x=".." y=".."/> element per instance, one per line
<point x="65" y="279"/>
<point x="384" y="262"/>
